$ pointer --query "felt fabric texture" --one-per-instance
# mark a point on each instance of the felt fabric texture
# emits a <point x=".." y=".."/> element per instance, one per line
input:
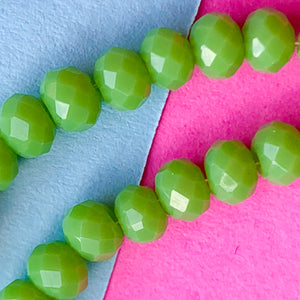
<point x="37" y="36"/>
<point x="247" y="251"/>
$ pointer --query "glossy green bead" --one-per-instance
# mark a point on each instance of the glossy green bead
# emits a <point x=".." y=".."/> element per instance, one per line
<point x="276" y="147"/>
<point x="22" y="290"/>
<point x="231" y="171"/>
<point x="26" y="126"/>
<point x="168" y="57"/>
<point x="57" y="270"/>
<point x="122" y="78"/>
<point x="71" y="98"/>
<point x="140" y="214"/>
<point x="8" y="165"/>
<point x="218" y="45"/>
<point x="269" y="40"/>
<point x="92" y="230"/>
<point x="182" y="190"/>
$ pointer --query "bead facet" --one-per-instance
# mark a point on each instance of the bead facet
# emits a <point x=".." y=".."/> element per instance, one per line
<point x="168" y="57"/>
<point x="8" y="165"/>
<point x="91" y="229"/>
<point x="22" y="290"/>
<point x="218" y="45"/>
<point x="26" y="126"/>
<point x="269" y="40"/>
<point x="71" y="98"/>
<point x="276" y="146"/>
<point x="140" y="214"/>
<point x="122" y="78"/>
<point x="57" y="270"/>
<point x="231" y="171"/>
<point x="182" y="190"/>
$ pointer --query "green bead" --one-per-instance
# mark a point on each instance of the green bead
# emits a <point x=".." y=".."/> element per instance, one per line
<point x="276" y="147"/>
<point x="122" y="78"/>
<point x="168" y="57"/>
<point x="26" y="126"/>
<point x="8" y="165"/>
<point x="182" y="190"/>
<point x="22" y="290"/>
<point x="218" y="45"/>
<point x="71" y="98"/>
<point x="231" y="171"/>
<point x="57" y="270"/>
<point x="140" y="214"/>
<point x="269" y="40"/>
<point x="91" y="229"/>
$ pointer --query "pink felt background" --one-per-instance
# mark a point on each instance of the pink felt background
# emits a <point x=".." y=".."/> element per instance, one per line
<point x="249" y="251"/>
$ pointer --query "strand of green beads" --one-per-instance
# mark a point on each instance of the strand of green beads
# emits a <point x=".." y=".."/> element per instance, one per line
<point x="91" y="229"/>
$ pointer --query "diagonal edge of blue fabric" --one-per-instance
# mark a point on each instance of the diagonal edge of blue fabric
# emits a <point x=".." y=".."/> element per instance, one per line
<point x="37" y="36"/>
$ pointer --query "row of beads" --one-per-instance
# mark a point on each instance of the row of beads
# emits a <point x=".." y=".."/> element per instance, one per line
<point x="124" y="78"/>
<point x="93" y="232"/>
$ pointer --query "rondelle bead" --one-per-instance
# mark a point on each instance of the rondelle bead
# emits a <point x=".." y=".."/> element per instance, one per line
<point x="269" y="40"/>
<point x="71" y="98"/>
<point x="276" y="146"/>
<point x="182" y="190"/>
<point x="26" y="126"/>
<point x="218" y="45"/>
<point x="92" y="230"/>
<point x="8" y="165"/>
<point x="57" y="270"/>
<point x="140" y="214"/>
<point x="168" y="57"/>
<point x="22" y="290"/>
<point x="122" y="78"/>
<point x="231" y="171"/>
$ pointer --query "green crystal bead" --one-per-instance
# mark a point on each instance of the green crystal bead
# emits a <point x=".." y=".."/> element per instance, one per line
<point x="22" y="290"/>
<point x="276" y="147"/>
<point x="269" y="40"/>
<point x="218" y="45"/>
<point x="140" y="214"/>
<point x="71" y="98"/>
<point x="168" y="57"/>
<point x="182" y="190"/>
<point x="8" y="165"/>
<point x="57" y="270"/>
<point x="231" y="171"/>
<point x="91" y="229"/>
<point x="26" y="126"/>
<point x="122" y="78"/>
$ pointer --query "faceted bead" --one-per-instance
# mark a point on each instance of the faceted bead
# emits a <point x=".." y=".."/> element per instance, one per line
<point x="231" y="171"/>
<point x="122" y="78"/>
<point x="71" y="98"/>
<point x="218" y="45"/>
<point x="269" y="40"/>
<point x="26" y="126"/>
<point x="140" y="214"/>
<point x="276" y="147"/>
<point x="57" y="270"/>
<point x="8" y="165"/>
<point x="182" y="190"/>
<point x="168" y="57"/>
<point x="22" y="290"/>
<point x="92" y="230"/>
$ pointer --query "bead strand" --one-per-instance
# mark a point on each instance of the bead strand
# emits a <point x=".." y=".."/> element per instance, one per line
<point x="95" y="233"/>
<point x="92" y="231"/>
<point x="124" y="78"/>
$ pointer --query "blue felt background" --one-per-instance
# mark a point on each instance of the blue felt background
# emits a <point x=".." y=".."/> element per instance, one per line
<point x="36" y="36"/>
